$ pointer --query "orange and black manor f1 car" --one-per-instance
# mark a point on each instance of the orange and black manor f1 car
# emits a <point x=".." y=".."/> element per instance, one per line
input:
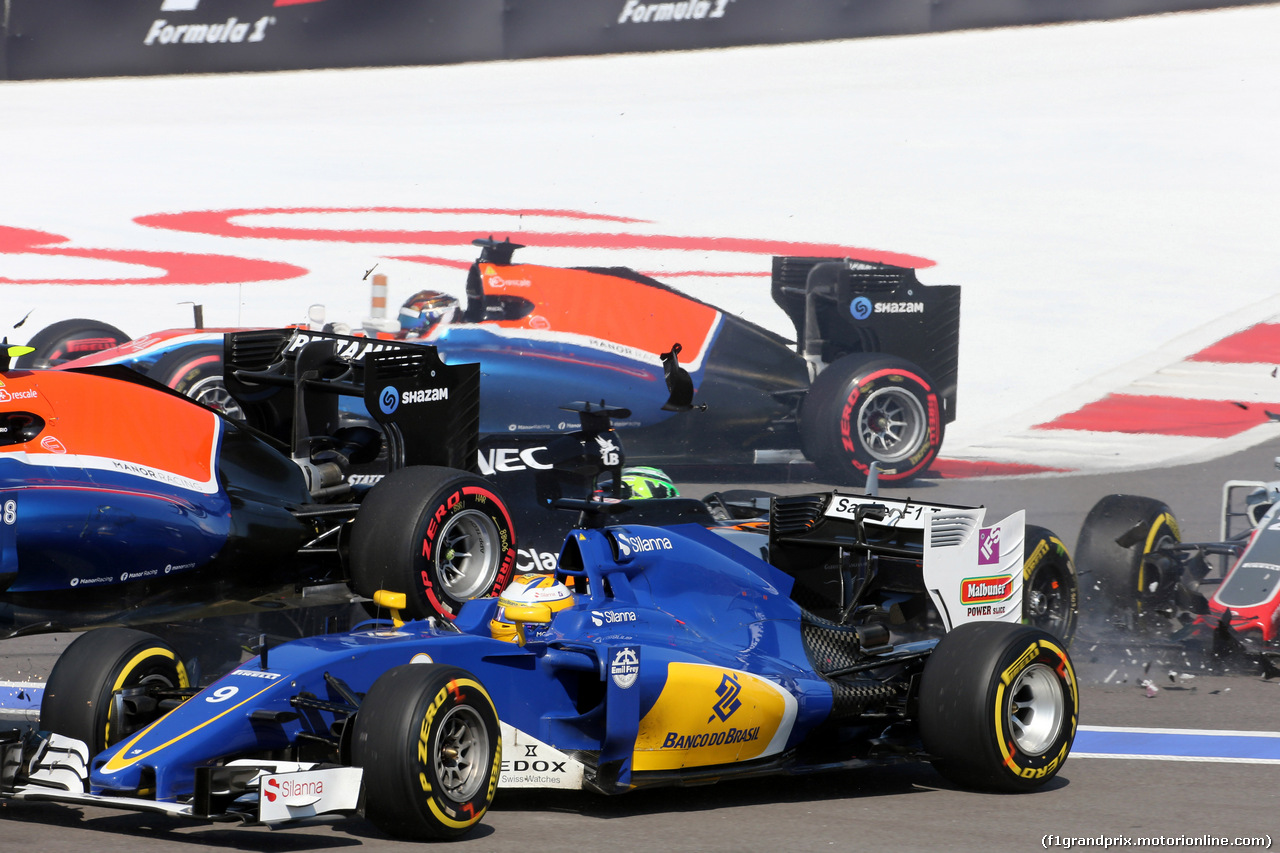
<point x="125" y="502"/>
<point x="871" y="377"/>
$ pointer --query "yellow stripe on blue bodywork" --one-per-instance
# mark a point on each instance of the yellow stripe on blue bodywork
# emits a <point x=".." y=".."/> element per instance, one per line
<point x="119" y="762"/>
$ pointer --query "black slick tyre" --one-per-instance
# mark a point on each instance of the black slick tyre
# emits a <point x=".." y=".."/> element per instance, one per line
<point x="866" y="408"/>
<point x="196" y="371"/>
<point x="1050" y="588"/>
<point x="430" y="743"/>
<point x="999" y="704"/>
<point x="1115" y="539"/>
<point x="68" y="340"/>
<point x="438" y="535"/>
<point x="78" y="697"/>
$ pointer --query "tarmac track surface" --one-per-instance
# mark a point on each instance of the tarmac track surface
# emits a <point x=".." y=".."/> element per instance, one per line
<point x="902" y="806"/>
<point x="1076" y="173"/>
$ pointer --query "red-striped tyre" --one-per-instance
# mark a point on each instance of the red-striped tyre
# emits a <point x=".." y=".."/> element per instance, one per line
<point x="196" y="371"/>
<point x="866" y="408"/>
<point x="438" y="535"/>
<point x="68" y="340"/>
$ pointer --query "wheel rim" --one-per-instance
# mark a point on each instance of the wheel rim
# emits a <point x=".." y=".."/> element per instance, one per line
<point x="891" y="424"/>
<point x="1047" y="605"/>
<point x="461" y="754"/>
<point x="212" y="392"/>
<point x="1036" y="709"/>
<point x="470" y="556"/>
<point x="120" y="722"/>
<point x="1163" y="541"/>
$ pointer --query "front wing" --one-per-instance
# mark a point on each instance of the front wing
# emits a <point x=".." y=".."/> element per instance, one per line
<point x="244" y="790"/>
<point x="56" y="769"/>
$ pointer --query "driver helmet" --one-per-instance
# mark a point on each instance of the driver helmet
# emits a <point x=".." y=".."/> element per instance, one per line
<point x="524" y="590"/>
<point x="1258" y="503"/>
<point x="426" y="309"/>
<point x="640" y="483"/>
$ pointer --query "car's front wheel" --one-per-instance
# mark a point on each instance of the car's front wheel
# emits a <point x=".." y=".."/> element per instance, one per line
<point x="196" y="371"/>
<point x="68" y="340"/>
<point x="1124" y="584"/>
<point x="430" y="744"/>
<point x="105" y="686"/>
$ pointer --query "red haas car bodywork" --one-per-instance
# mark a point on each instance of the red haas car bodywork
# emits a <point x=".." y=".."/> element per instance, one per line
<point x="1223" y="595"/>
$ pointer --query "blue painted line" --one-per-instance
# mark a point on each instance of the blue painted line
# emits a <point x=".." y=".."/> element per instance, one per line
<point x="1091" y="741"/>
<point x="20" y="695"/>
<point x="1177" y="744"/>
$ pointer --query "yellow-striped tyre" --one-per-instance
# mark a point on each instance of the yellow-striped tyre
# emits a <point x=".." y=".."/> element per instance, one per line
<point x="1050" y="591"/>
<point x="104" y="687"/>
<point x="999" y="705"/>
<point x="429" y="741"/>
<point x="1123" y="578"/>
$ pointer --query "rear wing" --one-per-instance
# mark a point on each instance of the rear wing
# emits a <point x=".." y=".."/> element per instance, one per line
<point x="971" y="571"/>
<point x="289" y="381"/>
<point x="841" y="306"/>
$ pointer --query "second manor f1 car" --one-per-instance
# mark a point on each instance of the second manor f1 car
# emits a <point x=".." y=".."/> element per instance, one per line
<point x="871" y="377"/>
<point x="124" y="502"/>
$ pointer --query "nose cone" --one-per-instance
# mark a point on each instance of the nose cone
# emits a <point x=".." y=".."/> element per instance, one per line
<point x="160" y="760"/>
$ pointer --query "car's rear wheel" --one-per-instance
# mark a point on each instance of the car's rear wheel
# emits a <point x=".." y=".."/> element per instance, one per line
<point x="429" y="739"/>
<point x="68" y="340"/>
<point x="870" y="408"/>
<point x="438" y="535"/>
<point x="1123" y="584"/>
<point x="999" y="705"/>
<point x="196" y="371"/>
<point x="102" y="688"/>
<point x="1050" y="589"/>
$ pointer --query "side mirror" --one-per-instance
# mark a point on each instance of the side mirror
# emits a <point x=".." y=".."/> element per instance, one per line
<point x="679" y="383"/>
<point x="393" y="601"/>
<point x="9" y="351"/>
<point x="527" y="614"/>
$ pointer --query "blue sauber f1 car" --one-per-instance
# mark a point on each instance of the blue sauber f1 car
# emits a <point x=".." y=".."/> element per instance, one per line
<point x="656" y="655"/>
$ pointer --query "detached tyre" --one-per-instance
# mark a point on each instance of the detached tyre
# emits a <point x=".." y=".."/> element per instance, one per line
<point x="871" y="408"/>
<point x="196" y="371"/>
<point x="429" y="740"/>
<point x="999" y="705"/>
<point x="438" y="535"/>
<point x="68" y="340"/>
<point x="1123" y="583"/>
<point x="78" y="698"/>
<point x="1050" y="589"/>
